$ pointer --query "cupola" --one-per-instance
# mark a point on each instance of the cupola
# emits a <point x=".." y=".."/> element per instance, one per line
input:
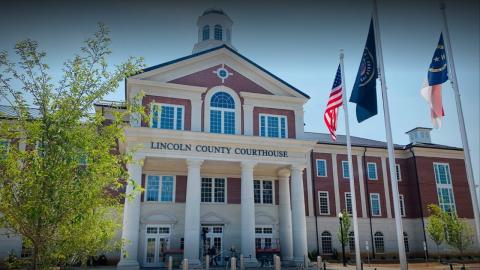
<point x="214" y="29"/>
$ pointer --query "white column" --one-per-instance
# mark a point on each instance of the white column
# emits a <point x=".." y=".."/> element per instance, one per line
<point x="299" y="124"/>
<point x="131" y="219"/>
<point x="299" y="223"/>
<point x="386" y="188"/>
<point x="285" y="215"/>
<point x="310" y="208"/>
<point x="196" y="119"/>
<point x="361" y="182"/>
<point x="248" y="119"/>
<point x="192" y="212"/>
<point x="248" y="213"/>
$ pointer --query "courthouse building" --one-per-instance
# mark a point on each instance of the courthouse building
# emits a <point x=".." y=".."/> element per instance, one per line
<point x="224" y="161"/>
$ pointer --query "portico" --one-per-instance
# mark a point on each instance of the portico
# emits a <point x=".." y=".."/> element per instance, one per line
<point x="231" y="179"/>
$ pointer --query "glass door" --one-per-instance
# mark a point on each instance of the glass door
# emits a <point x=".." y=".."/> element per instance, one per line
<point x="214" y="238"/>
<point x="156" y="245"/>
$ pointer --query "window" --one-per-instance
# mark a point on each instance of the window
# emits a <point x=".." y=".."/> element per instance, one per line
<point x="351" y="242"/>
<point x="206" y="32"/>
<point x="402" y="205"/>
<point x="160" y="188"/>
<point x="326" y="242"/>
<point x="218" y="34"/>
<point x="222" y="113"/>
<point x="229" y="36"/>
<point x="348" y="203"/>
<point x="321" y="168"/>
<point x="4" y="146"/>
<point x="379" y="243"/>
<point x="372" y="171"/>
<point x="263" y="237"/>
<point x="375" y="204"/>
<point x="26" y="250"/>
<point x="324" y="205"/>
<point x="213" y="190"/>
<point x="405" y="242"/>
<point x="443" y="180"/>
<point x="263" y="191"/>
<point x="166" y="116"/>
<point x="182" y="243"/>
<point x="346" y="172"/>
<point x="398" y="172"/>
<point x="273" y="126"/>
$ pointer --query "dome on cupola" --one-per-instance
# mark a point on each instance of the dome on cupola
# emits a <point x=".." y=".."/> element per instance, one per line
<point x="214" y="29"/>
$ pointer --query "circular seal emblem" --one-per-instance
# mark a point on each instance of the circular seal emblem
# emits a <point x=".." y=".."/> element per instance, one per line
<point x="367" y="68"/>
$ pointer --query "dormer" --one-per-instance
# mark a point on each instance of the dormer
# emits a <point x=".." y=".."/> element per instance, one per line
<point x="419" y="135"/>
<point x="214" y="29"/>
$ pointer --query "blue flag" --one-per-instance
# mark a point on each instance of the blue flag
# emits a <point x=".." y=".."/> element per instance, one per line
<point x="364" y="92"/>
<point x="437" y="72"/>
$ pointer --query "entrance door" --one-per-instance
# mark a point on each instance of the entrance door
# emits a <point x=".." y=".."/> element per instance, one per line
<point x="157" y="241"/>
<point x="214" y="237"/>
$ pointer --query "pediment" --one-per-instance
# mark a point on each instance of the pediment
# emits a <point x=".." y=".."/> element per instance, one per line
<point x="200" y="70"/>
<point x="159" y="218"/>
<point x="213" y="218"/>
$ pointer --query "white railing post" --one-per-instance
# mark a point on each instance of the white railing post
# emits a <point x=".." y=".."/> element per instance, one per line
<point x="233" y="263"/>
<point x="207" y="262"/>
<point x="170" y="263"/>
<point x="277" y="263"/>
<point x="185" y="264"/>
<point x="242" y="265"/>
<point x="319" y="262"/>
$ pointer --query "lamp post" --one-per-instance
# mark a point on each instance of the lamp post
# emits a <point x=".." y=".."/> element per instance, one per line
<point x="340" y="217"/>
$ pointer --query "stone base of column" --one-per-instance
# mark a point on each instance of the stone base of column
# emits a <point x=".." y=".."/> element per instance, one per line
<point x="128" y="265"/>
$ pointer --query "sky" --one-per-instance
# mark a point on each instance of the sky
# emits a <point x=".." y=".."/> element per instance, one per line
<point x="299" y="41"/>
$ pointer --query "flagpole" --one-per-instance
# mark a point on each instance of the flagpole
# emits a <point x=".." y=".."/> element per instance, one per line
<point x="391" y="151"/>
<point x="350" y="168"/>
<point x="461" y="122"/>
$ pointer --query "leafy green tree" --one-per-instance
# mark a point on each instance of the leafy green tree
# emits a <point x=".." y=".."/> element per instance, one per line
<point x="436" y="226"/>
<point x="460" y="234"/>
<point x="345" y="223"/>
<point x="61" y="194"/>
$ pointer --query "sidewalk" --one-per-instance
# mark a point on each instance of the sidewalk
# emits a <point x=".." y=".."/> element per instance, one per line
<point x="411" y="266"/>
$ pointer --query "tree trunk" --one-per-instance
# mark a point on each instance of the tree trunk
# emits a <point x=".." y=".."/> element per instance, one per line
<point x="35" y="257"/>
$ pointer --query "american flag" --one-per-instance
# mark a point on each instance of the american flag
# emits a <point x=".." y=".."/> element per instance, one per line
<point x="335" y="101"/>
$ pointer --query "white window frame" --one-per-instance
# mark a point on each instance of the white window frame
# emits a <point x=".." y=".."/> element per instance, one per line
<point x="212" y="199"/>
<point x="398" y="172"/>
<point x="160" y="188"/>
<point x="345" y="162"/>
<point x="279" y="116"/>
<point x="175" y="115"/>
<point x="445" y="186"/>
<point x="157" y="241"/>
<point x="261" y="191"/>
<point x="320" y="206"/>
<point x="383" y="242"/>
<point x="207" y="108"/>
<point x="350" y="213"/>
<point x="401" y="198"/>
<point x="263" y="235"/>
<point x="379" y="205"/>
<point x="316" y="164"/>
<point x="368" y="171"/>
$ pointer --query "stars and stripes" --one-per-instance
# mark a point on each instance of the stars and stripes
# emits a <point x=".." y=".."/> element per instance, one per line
<point x="335" y="101"/>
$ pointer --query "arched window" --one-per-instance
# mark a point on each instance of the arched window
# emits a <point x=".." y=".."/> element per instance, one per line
<point x="379" y="243"/>
<point x="351" y="242"/>
<point x="405" y="242"/>
<point x="326" y="242"/>
<point x="218" y="34"/>
<point x="206" y="32"/>
<point x="222" y="113"/>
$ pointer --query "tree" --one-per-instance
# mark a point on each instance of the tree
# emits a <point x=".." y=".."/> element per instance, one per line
<point x="459" y="233"/>
<point x="436" y="226"/>
<point x="62" y="194"/>
<point x="345" y="223"/>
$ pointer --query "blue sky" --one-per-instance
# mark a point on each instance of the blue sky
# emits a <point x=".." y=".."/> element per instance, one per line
<point x="298" y="41"/>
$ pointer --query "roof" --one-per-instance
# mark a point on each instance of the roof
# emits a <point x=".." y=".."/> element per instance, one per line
<point x="421" y="128"/>
<point x="9" y="113"/>
<point x="224" y="46"/>
<point x="214" y="11"/>
<point x="324" y="138"/>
